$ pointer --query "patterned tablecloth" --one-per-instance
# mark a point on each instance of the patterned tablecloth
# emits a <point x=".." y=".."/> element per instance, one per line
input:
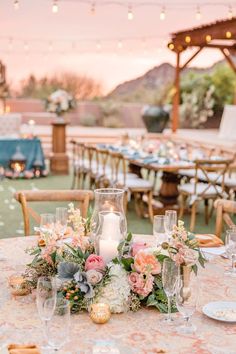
<point x="141" y="332"/>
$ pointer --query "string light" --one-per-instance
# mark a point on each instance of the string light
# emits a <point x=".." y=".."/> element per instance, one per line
<point x="171" y="46"/>
<point x="187" y="39"/>
<point x="208" y="38"/>
<point x="99" y="46"/>
<point x="230" y="12"/>
<point x="198" y="13"/>
<point x="16" y="4"/>
<point x="228" y="34"/>
<point x="163" y="14"/>
<point x="130" y="13"/>
<point x="55" y="7"/>
<point x="93" y="8"/>
<point x="120" y="45"/>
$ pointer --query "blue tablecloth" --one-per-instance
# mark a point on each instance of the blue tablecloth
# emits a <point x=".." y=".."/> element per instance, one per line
<point x="30" y="148"/>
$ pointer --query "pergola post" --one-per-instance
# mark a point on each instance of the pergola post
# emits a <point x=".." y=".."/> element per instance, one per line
<point x="176" y="98"/>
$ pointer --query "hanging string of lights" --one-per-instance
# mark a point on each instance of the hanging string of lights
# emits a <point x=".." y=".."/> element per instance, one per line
<point x="132" y="5"/>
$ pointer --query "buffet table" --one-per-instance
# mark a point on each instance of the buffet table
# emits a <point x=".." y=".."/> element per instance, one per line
<point x="30" y="148"/>
<point x="140" y="332"/>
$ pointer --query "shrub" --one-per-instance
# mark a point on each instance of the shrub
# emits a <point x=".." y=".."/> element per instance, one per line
<point x="88" y="120"/>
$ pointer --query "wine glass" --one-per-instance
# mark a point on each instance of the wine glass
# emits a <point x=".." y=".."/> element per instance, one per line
<point x="230" y="248"/>
<point x="170" y="222"/>
<point x="46" y="296"/>
<point x="159" y="229"/>
<point x="61" y="220"/>
<point x="186" y="300"/>
<point x="58" y="328"/>
<point x="170" y="273"/>
<point x="47" y="223"/>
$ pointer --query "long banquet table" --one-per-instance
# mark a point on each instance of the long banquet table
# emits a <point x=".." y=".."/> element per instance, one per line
<point x="141" y="332"/>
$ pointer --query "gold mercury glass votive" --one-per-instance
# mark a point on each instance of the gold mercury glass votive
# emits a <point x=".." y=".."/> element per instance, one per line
<point x="18" y="285"/>
<point x="100" y="313"/>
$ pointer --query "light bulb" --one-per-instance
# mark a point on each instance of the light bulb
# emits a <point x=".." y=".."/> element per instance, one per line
<point x="230" y="12"/>
<point x="228" y="34"/>
<point x="16" y="4"/>
<point x="55" y="7"/>
<point x="208" y="38"/>
<point x="120" y="44"/>
<point x="163" y="14"/>
<point x="198" y="13"/>
<point x="99" y="46"/>
<point x="130" y="13"/>
<point x="93" y="8"/>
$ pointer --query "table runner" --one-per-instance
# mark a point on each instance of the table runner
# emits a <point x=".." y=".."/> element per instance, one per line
<point x="141" y="332"/>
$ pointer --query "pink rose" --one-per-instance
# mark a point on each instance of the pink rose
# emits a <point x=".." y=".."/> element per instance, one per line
<point x="94" y="276"/>
<point x="94" y="262"/>
<point x="185" y="256"/>
<point x="137" y="246"/>
<point x="140" y="284"/>
<point x="146" y="263"/>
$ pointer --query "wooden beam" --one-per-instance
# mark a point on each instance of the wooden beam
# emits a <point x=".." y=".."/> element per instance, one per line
<point x="191" y="58"/>
<point x="176" y="98"/>
<point x="229" y="60"/>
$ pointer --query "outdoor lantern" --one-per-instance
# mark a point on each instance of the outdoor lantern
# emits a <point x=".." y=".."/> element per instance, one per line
<point x="18" y="161"/>
<point x="38" y="167"/>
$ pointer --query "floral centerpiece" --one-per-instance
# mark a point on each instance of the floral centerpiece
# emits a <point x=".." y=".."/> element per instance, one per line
<point x="127" y="282"/>
<point x="60" y="102"/>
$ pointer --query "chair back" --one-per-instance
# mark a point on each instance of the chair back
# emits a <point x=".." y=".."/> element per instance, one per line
<point x="118" y="169"/>
<point x="213" y="172"/>
<point x="223" y="209"/>
<point x="102" y="158"/>
<point x="82" y="197"/>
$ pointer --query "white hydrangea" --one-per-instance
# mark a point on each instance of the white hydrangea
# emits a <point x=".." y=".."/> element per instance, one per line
<point x="116" y="292"/>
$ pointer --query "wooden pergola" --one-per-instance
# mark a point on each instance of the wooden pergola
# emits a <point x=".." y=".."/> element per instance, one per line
<point x="218" y="35"/>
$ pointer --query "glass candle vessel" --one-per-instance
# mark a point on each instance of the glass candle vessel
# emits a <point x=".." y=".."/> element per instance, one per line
<point x="108" y="200"/>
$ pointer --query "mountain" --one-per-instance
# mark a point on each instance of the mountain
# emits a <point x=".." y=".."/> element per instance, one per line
<point x="153" y="83"/>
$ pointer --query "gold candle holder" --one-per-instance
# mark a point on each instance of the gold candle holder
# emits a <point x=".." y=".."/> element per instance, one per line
<point x="100" y="313"/>
<point x="18" y="285"/>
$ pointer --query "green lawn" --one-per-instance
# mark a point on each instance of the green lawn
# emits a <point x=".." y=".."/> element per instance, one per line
<point x="11" y="224"/>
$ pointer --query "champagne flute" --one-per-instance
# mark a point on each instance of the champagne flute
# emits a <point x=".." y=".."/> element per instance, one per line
<point x="159" y="229"/>
<point x="47" y="223"/>
<point x="230" y="248"/>
<point x="46" y="296"/>
<point x="170" y="273"/>
<point x="186" y="301"/>
<point x="170" y="222"/>
<point x="58" y="328"/>
<point x="61" y="220"/>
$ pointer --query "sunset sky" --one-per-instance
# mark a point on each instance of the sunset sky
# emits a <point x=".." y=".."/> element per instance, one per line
<point x="104" y="45"/>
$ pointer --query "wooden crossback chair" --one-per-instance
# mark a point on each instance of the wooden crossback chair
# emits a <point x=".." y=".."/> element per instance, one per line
<point x="211" y="189"/>
<point x="136" y="186"/>
<point x="223" y="209"/>
<point x="78" y="163"/>
<point x="82" y="197"/>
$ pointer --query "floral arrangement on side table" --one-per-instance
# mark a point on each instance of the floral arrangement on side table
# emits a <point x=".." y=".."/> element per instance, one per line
<point x="60" y="102"/>
<point x="127" y="282"/>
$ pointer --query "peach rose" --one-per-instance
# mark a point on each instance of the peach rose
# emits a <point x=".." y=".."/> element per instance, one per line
<point x="140" y="284"/>
<point x="146" y="263"/>
<point x="94" y="262"/>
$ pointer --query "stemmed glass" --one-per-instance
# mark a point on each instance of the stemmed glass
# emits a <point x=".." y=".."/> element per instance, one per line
<point x="61" y="220"/>
<point x="58" y="328"/>
<point x="47" y="223"/>
<point x="170" y="273"/>
<point x="159" y="229"/>
<point x="186" y="301"/>
<point x="230" y="247"/>
<point x="170" y="221"/>
<point x="46" y="296"/>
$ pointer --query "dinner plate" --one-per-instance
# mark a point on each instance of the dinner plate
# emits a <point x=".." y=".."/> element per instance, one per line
<point x="224" y="311"/>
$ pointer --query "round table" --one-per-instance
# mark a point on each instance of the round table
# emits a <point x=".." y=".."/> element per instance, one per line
<point x="140" y="332"/>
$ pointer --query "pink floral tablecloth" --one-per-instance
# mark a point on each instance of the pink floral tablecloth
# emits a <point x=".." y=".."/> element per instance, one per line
<point x="141" y="332"/>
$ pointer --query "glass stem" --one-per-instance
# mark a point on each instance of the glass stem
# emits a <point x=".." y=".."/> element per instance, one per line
<point x="233" y="262"/>
<point x="169" y="308"/>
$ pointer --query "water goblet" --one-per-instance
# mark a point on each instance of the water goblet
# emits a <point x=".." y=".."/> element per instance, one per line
<point x="170" y="273"/>
<point x="170" y="222"/>
<point x="186" y="301"/>
<point x="47" y="223"/>
<point x="58" y="327"/>
<point x="159" y="229"/>
<point x="46" y="296"/>
<point x="230" y="249"/>
<point x="61" y="220"/>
